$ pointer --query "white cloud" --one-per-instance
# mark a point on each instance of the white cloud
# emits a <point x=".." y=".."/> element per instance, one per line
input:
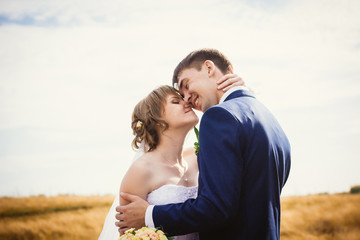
<point x="85" y="70"/>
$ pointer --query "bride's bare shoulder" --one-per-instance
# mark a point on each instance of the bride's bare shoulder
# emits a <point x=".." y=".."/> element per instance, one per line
<point x="138" y="178"/>
<point x="145" y="161"/>
<point x="143" y="166"/>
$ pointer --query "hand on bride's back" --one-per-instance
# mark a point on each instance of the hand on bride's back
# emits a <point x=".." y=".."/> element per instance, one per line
<point x="131" y="215"/>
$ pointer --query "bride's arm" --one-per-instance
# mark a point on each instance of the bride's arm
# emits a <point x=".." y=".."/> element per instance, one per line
<point x="136" y="181"/>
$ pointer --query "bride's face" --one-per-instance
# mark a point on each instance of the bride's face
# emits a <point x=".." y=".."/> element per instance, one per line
<point x="178" y="114"/>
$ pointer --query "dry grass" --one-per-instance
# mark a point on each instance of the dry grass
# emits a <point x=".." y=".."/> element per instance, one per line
<point x="321" y="217"/>
<point x="314" y="217"/>
<point x="62" y="217"/>
<point x="11" y="207"/>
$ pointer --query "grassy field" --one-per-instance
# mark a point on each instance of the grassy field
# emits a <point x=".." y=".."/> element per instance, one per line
<point x="61" y="217"/>
<point x="313" y="217"/>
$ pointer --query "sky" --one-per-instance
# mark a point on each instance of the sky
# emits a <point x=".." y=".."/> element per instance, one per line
<point x="71" y="72"/>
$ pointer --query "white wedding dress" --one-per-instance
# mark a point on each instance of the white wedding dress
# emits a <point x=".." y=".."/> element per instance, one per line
<point x="174" y="194"/>
<point x="163" y="195"/>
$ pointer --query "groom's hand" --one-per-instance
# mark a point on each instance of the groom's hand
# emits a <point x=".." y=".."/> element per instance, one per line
<point x="131" y="215"/>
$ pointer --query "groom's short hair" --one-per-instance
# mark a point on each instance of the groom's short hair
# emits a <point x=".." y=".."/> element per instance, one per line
<point x="196" y="59"/>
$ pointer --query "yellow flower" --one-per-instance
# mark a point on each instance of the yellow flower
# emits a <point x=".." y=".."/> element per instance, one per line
<point x="160" y="232"/>
<point x="131" y="230"/>
<point x="163" y="237"/>
<point x="143" y="233"/>
<point x="127" y="236"/>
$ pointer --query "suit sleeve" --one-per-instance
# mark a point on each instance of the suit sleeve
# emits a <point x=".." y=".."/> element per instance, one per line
<point x="221" y="170"/>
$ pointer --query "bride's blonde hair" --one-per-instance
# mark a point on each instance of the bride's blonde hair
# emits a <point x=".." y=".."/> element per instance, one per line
<point x="146" y="118"/>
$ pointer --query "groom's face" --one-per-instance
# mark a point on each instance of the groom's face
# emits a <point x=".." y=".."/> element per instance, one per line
<point x="198" y="88"/>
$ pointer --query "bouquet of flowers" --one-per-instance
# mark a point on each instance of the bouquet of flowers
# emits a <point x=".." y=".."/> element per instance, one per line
<point x="144" y="233"/>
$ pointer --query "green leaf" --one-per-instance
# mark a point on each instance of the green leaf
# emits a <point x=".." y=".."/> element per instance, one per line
<point x="196" y="144"/>
<point x="196" y="133"/>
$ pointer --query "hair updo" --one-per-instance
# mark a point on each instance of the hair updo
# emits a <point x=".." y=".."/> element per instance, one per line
<point x="146" y="118"/>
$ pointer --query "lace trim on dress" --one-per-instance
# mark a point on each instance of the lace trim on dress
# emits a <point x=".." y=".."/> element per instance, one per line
<point x="171" y="194"/>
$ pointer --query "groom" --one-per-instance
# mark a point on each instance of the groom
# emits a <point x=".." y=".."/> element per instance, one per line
<point x="244" y="162"/>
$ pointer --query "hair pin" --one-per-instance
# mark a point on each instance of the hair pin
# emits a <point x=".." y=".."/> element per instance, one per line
<point x="139" y="124"/>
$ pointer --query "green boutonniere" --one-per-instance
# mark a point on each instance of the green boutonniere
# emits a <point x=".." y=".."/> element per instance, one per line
<point x="196" y="144"/>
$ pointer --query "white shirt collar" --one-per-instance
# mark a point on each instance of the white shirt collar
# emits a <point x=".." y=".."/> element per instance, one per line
<point x="230" y="91"/>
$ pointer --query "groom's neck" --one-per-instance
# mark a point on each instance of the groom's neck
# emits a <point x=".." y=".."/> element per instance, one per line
<point x="219" y="92"/>
<point x="219" y="95"/>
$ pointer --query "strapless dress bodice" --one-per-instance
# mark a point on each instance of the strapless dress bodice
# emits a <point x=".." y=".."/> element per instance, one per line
<point x="171" y="194"/>
<point x="174" y="194"/>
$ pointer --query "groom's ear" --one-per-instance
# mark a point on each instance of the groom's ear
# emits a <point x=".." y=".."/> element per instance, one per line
<point x="210" y="68"/>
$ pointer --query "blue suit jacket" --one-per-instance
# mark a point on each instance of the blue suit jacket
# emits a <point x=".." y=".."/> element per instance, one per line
<point x="244" y="162"/>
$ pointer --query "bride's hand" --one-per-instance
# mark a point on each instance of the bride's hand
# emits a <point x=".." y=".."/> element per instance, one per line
<point x="230" y="80"/>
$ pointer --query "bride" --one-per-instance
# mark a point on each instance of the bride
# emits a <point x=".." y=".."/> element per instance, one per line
<point x="163" y="173"/>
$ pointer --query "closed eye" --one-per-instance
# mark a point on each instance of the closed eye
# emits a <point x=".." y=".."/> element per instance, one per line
<point x="176" y="99"/>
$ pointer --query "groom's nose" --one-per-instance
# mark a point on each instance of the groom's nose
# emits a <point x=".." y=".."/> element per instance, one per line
<point x="187" y="97"/>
